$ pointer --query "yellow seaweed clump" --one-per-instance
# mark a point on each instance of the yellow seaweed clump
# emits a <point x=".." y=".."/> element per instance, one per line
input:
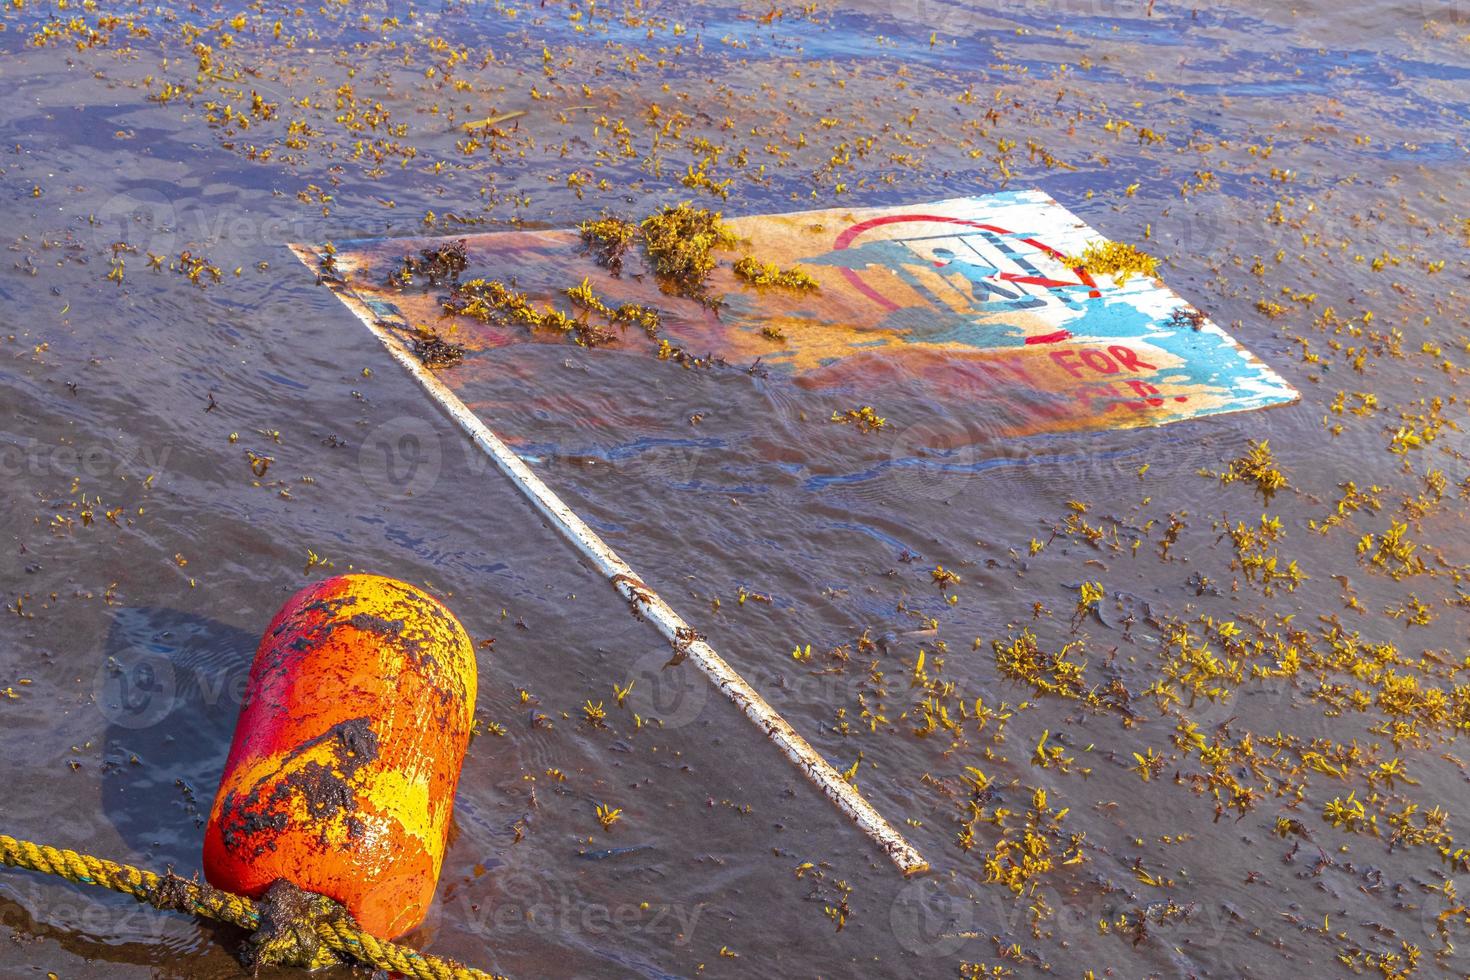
<point x="1039" y="846"/>
<point x="680" y="241"/>
<point x="1391" y="551"/>
<point x="492" y="301"/>
<point x="1021" y="658"/>
<point x="637" y="314"/>
<point x="608" y="239"/>
<point x="1257" y="467"/>
<point x="1117" y="259"/>
<point x="759" y="273"/>
<point x="863" y="417"/>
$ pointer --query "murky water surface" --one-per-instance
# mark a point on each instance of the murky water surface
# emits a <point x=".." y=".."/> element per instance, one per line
<point x="1230" y="765"/>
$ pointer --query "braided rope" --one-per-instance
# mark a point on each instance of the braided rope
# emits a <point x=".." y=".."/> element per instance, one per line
<point x="195" y="898"/>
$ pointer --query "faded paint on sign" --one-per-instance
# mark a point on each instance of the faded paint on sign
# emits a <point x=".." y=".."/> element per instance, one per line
<point x="970" y="301"/>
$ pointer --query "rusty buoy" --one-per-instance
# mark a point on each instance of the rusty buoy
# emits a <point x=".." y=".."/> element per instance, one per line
<point x="342" y="772"/>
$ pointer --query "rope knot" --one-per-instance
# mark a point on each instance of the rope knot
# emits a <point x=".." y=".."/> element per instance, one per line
<point x="287" y="934"/>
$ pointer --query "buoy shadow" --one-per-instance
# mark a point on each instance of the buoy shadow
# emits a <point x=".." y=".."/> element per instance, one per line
<point x="169" y="683"/>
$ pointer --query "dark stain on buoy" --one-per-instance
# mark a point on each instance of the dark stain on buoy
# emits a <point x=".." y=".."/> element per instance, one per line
<point x="342" y="772"/>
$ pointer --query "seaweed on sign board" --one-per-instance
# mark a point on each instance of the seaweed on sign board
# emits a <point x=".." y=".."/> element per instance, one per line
<point x="437" y="266"/>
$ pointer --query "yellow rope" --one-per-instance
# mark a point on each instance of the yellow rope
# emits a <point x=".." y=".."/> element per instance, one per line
<point x="195" y="898"/>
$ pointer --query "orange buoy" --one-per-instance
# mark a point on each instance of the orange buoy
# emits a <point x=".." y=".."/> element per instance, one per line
<point x="352" y="731"/>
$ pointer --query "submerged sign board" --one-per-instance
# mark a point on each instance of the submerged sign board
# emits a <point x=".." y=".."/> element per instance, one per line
<point x="970" y="301"/>
<point x="743" y="443"/>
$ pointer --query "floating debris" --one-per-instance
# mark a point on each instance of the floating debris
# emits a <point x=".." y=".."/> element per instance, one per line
<point x="1117" y="259"/>
<point x="863" y="417"/>
<point x="626" y="313"/>
<point x="680" y="242"/>
<point x="438" y="265"/>
<point x="608" y="239"/>
<point x="492" y="301"/>
<point x="1187" y="316"/>
<point x="613" y="852"/>
<point x="759" y="273"/>
<point x="1258" y="468"/>
<point x="435" y="351"/>
<point x="491" y="122"/>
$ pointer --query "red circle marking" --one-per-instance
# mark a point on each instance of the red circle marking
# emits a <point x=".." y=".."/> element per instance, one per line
<point x="846" y="237"/>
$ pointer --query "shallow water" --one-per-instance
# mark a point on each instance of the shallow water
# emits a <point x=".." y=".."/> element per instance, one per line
<point x="1327" y="140"/>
